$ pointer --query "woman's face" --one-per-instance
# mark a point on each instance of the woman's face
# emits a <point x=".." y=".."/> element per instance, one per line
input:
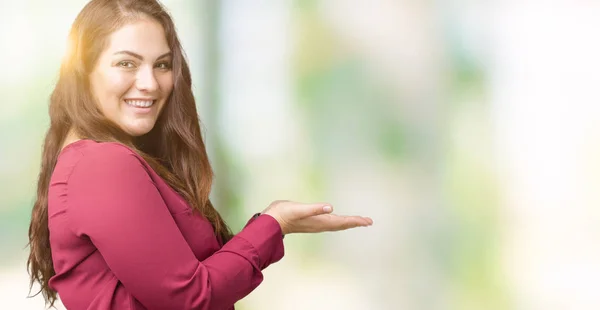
<point x="132" y="79"/>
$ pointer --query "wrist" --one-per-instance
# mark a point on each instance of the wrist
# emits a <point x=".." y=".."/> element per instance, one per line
<point x="256" y="215"/>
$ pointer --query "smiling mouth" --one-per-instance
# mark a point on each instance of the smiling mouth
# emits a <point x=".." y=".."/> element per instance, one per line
<point x="140" y="103"/>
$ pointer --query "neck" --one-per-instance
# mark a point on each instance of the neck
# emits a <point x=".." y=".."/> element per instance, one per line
<point x="70" y="138"/>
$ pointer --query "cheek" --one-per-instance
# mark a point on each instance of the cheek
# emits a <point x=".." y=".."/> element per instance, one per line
<point x="166" y="84"/>
<point x="117" y="84"/>
<point x="109" y="86"/>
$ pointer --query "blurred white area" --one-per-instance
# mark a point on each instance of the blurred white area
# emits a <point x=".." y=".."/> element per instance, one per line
<point x="257" y="101"/>
<point x="545" y="95"/>
<point x="14" y="289"/>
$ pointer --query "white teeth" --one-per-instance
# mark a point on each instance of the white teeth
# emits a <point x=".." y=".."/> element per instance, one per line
<point x="140" y="103"/>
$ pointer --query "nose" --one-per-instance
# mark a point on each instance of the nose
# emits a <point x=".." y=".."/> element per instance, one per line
<point x="145" y="80"/>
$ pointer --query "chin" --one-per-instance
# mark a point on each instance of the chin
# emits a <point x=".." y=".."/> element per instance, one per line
<point x="136" y="131"/>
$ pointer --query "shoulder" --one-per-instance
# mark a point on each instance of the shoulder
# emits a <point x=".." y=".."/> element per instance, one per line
<point x="90" y="174"/>
<point x="102" y="160"/>
<point x="92" y="149"/>
<point x="108" y="180"/>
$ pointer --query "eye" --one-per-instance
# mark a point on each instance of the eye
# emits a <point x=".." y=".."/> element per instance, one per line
<point x="126" y="64"/>
<point x="163" y="65"/>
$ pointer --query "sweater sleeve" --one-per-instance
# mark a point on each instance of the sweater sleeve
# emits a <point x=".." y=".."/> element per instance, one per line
<point x="113" y="201"/>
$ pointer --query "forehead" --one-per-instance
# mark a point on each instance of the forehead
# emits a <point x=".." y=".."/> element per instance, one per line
<point x="145" y="37"/>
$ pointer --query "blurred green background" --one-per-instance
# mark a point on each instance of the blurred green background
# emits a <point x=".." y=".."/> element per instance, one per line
<point x="468" y="130"/>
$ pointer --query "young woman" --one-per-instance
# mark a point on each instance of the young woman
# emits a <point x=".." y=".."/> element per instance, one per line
<point x="122" y="218"/>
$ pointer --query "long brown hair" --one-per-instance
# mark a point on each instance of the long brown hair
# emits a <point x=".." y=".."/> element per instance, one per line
<point x="174" y="147"/>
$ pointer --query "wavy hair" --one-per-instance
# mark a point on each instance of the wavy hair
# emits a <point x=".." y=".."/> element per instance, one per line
<point x="174" y="148"/>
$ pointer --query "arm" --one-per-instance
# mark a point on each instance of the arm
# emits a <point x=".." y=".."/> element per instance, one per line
<point x="113" y="201"/>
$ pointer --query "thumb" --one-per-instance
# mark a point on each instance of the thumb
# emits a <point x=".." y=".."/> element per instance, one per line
<point x="315" y="209"/>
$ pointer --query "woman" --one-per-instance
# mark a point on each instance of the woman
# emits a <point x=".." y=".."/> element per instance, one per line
<point x="122" y="218"/>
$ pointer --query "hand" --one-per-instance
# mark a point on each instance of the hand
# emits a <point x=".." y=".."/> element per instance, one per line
<point x="296" y="217"/>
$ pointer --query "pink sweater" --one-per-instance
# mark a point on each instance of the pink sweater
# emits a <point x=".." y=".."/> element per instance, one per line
<point x="121" y="238"/>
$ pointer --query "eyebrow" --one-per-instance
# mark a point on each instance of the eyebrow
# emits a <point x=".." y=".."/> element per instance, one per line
<point x="140" y="57"/>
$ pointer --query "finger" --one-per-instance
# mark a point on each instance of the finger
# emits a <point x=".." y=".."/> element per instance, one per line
<point x="367" y="221"/>
<point x="314" y="209"/>
<point x="336" y="222"/>
<point x="351" y="222"/>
